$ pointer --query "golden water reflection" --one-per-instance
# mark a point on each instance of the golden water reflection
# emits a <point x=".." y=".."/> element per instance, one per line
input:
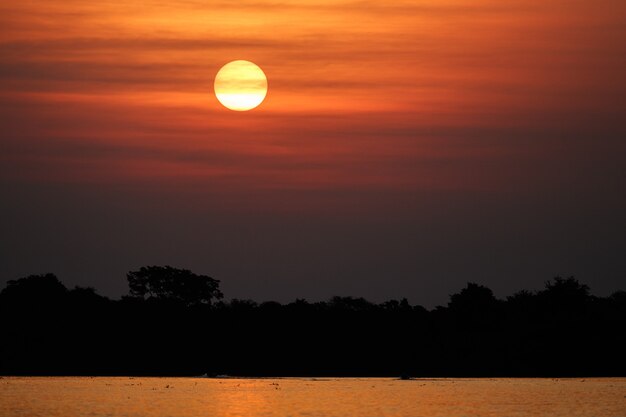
<point x="61" y="397"/>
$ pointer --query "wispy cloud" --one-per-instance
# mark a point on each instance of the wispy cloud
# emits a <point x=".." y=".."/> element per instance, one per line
<point x="401" y="95"/>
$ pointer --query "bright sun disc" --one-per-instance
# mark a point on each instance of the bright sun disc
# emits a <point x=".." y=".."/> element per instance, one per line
<point x="240" y="85"/>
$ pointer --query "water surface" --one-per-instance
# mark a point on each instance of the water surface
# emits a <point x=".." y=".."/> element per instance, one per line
<point x="345" y="397"/>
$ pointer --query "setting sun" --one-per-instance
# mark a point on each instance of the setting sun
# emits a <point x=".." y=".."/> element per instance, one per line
<point x="240" y="85"/>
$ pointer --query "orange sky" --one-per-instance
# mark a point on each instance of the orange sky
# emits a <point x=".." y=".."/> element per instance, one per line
<point x="373" y="110"/>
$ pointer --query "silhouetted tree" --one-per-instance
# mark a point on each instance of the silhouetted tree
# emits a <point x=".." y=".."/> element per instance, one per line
<point x="566" y="293"/>
<point x="34" y="290"/>
<point x="473" y="297"/>
<point x="474" y="308"/>
<point x="521" y="297"/>
<point x="349" y="304"/>
<point x="242" y="304"/>
<point x="85" y="297"/>
<point x="173" y="284"/>
<point x="395" y="305"/>
<point x="270" y="306"/>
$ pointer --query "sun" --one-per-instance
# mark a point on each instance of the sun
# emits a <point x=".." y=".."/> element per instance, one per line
<point x="240" y="85"/>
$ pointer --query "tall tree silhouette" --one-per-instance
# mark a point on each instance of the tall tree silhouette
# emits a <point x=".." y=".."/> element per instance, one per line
<point x="173" y="284"/>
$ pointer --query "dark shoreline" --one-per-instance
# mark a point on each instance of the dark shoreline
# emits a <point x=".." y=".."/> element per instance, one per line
<point x="560" y="332"/>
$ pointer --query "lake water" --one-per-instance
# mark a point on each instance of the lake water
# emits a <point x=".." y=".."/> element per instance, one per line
<point x="345" y="397"/>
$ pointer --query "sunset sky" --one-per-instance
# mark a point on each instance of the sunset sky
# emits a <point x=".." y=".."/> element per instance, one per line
<point x="403" y="149"/>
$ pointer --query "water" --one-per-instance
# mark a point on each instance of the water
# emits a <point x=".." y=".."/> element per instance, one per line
<point x="347" y="397"/>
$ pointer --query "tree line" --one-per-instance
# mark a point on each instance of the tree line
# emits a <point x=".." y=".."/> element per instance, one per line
<point x="175" y="322"/>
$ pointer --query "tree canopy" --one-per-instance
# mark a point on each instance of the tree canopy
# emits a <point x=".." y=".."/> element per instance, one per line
<point x="34" y="289"/>
<point x="173" y="284"/>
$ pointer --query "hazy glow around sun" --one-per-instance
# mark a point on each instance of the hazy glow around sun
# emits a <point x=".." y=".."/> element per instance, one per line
<point x="240" y="85"/>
